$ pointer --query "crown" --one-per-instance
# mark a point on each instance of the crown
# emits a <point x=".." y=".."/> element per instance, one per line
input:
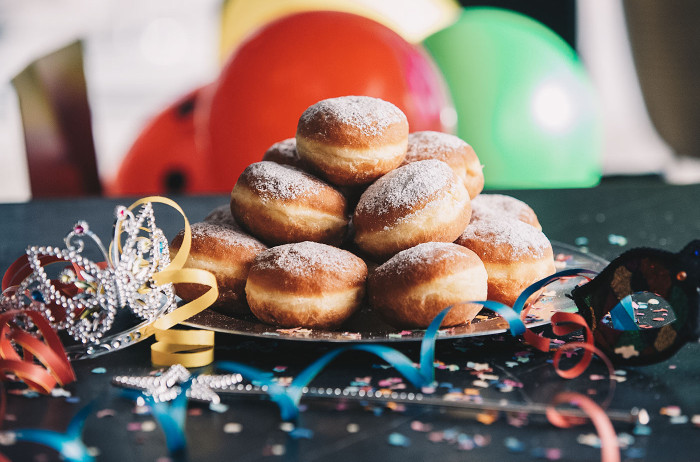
<point x="83" y="297"/>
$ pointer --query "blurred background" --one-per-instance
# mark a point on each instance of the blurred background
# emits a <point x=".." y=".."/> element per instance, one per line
<point x="164" y="96"/>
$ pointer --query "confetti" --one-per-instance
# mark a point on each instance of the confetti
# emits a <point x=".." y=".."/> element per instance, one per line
<point x="397" y="439"/>
<point x="670" y="411"/>
<point x="679" y="419"/>
<point x="218" y="407"/>
<point x="299" y="433"/>
<point x="233" y="427"/>
<point x="695" y="420"/>
<point x="514" y="444"/>
<point x="642" y="430"/>
<point x="582" y="240"/>
<point x="7" y="438"/>
<point x="279" y="368"/>
<point x="287" y="427"/>
<point x="588" y="439"/>
<point x="99" y="370"/>
<point x="352" y="428"/>
<point x="615" y="239"/>
<point x="148" y="426"/>
<point x="419" y="426"/>
<point x="487" y="418"/>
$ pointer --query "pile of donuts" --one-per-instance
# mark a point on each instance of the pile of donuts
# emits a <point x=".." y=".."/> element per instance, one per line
<point x="356" y="213"/>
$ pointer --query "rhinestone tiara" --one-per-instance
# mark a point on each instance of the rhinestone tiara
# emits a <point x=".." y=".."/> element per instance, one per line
<point x="83" y="297"/>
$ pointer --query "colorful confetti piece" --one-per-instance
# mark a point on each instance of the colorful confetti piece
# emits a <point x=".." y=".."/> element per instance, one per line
<point x="398" y="439"/>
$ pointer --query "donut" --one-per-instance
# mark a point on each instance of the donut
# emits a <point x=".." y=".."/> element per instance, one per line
<point x="500" y="205"/>
<point x="514" y="253"/>
<point x="352" y="140"/>
<point x="222" y="215"/>
<point x="423" y="201"/>
<point x="226" y="252"/>
<point x="306" y="284"/>
<point x="450" y="149"/>
<point x="280" y="204"/>
<point x="416" y="284"/>
<point x="284" y="152"/>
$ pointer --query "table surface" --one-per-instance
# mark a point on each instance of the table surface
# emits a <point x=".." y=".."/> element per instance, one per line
<point x="617" y="215"/>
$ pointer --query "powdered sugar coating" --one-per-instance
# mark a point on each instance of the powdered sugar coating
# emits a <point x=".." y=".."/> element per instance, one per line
<point x="223" y="234"/>
<point x="222" y="215"/>
<point x="499" y="205"/>
<point x="304" y="259"/>
<point x="426" y="254"/>
<point x="405" y="188"/>
<point x="283" y="152"/>
<point x="515" y="238"/>
<point x="369" y="115"/>
<point x="273" y="181"/>
<point x="430" y="144"/>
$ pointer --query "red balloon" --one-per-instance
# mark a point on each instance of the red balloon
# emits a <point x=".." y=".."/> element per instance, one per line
<point x="299" y="60"/>
<point x="166" y="157"/>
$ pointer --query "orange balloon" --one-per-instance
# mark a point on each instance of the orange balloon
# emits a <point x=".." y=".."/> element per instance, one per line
<point x="165" y="158"/>
<point x="301" y="59"/>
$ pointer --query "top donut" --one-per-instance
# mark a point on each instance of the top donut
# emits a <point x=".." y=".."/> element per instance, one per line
<point x="352" y="140"/>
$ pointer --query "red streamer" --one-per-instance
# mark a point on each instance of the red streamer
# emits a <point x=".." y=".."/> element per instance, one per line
<point x="53" y="365"/>
<point x="609" y="448"/>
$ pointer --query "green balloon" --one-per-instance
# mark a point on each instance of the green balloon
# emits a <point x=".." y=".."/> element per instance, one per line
<point x="523" y="100"/>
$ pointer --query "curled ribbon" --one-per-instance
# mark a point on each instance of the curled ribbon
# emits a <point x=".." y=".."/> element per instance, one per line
<point x="54" y="366"/>
<point x="189" y="347"/>
<point x="609" y="448"/>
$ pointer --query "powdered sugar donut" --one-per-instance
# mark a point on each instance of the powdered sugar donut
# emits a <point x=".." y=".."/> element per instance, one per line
<point x="352" y="140"/>
<point x="490" y="206"/>
<point x="306" y="284"/>
<point x="450" y="149"/>
<point x="514" y="253"/>
<point x="284" y="152"/>
<point x="282" y="204"/>
<point x="412" y="287"/>
<point x="226" y="252"/>
<point x="221" y="215"/>
<point x="420" y="202"/>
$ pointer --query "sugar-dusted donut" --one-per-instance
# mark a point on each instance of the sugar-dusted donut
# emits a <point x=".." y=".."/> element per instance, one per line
<point x="502" y="206"/>
<point x="284" y="152"/>
<point x="282" y="204"/>
<point x="226" y="252"/>
<point x="306" y="284"/>
<point x="352" y="140"/>
<point x="221" y="215"/>
<point x="514" y="253"/>
<point x="450" y="149"/>
<point x="423" y="201"/>
<point x="412" y="287"/>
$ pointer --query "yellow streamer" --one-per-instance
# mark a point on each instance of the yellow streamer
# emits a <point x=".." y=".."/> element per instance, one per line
<point x="189" y="347"/>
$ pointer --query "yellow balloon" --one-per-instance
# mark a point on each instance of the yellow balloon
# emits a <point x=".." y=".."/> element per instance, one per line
<point x="414" y="20"/>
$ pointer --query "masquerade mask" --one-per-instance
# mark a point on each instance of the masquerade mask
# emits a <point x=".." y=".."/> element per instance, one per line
<point x="644" y="305"/>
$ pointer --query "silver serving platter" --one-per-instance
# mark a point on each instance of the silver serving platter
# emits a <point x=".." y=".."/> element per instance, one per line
<point x="366" y="326"/>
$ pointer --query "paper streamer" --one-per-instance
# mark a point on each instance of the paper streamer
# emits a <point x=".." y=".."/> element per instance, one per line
<point x="609" y="448"/>
<point x="170" y="416"/>
<point x="188" y="347"/>
<point x="54" y="366"/>
<point x="69" y="444"/>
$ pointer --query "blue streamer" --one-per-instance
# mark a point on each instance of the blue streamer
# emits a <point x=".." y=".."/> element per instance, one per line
<point x="69" y="444"/>
<point x="171" y="416"/>
<point x="527" y="293"/>
<point x="288" y="398"/>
